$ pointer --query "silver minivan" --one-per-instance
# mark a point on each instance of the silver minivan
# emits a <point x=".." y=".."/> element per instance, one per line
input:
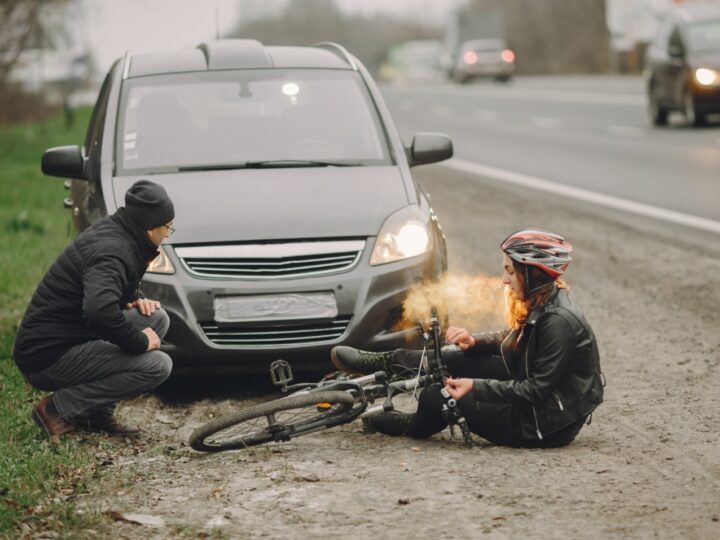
<point x="299" y="225"/>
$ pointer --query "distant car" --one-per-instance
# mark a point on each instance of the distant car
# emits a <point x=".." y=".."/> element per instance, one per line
<point x="683" y="65"/>
<point x="298" y="223"/>
<point x="483" y="58"/>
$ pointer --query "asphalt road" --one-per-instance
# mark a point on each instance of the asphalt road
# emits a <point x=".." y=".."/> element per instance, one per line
<point x="647" y="467"/>
<point x="588" y="132"/>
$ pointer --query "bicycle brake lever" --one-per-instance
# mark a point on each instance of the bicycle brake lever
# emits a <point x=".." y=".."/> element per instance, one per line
<point x="388" y="404"/>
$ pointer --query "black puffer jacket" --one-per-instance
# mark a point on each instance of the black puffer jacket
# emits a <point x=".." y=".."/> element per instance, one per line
<point x="82" y="295"/>
<point x="554" y="365"/>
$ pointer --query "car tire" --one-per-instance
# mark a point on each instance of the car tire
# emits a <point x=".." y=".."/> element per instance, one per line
<point x="658" y="114"/>
<point x="693" y="117"/>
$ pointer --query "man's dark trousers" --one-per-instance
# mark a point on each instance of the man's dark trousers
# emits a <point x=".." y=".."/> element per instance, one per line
<point x="92" y="377"/>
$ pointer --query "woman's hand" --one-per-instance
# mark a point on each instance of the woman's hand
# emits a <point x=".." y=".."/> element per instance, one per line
<point x="459" y="387"/>
<point x="145" y="306"/>
<point x="460" y="337"/>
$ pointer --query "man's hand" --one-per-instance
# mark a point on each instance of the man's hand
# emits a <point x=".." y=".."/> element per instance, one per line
<point x="153" y="339"/>
<point x="457" y="388"/>
<point x="145" y="306"/>
<point x="460" y="337"/>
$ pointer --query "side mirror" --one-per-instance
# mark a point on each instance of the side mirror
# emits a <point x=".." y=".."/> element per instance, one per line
<point x="429" y="148"/>
<point x="64" y="161"/>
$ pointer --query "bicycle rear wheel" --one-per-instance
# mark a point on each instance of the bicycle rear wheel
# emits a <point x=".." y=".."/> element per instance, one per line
<point x="277" y="420"/>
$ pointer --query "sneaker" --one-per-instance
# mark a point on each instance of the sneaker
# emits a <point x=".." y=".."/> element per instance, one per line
<point x="392" y="423"/>
<point x="47" y="417"/>
<point x="358" y="362"/>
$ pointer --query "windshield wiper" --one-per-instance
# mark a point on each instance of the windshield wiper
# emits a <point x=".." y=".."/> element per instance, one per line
<point x="269" y="164"/>
<point x="300" y="163"/>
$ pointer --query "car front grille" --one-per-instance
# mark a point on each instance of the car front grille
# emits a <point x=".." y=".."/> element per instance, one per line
<point x="305" y="332"/>
<point x="271" y="261"/>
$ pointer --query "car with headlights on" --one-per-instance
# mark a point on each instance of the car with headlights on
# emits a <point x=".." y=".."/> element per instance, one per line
<point x="683" y="65"/>
<point x="299" y="225"/>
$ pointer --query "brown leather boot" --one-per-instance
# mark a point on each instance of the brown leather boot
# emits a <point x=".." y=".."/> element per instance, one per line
<point x="46" y="416"/>
<point x="109" y="424"/>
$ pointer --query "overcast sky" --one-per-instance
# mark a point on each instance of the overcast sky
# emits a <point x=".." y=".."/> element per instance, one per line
<point x="109" y="29"/>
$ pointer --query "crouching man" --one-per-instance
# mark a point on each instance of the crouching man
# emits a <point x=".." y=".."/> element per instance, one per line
<point x="87" y="335"/>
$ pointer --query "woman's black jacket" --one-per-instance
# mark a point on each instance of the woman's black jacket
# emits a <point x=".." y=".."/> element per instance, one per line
<point x="553" y="367"/>
<point x="82" y="296"/>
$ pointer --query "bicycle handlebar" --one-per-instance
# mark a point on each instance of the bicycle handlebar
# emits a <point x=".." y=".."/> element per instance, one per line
<point x="455" y="416"/>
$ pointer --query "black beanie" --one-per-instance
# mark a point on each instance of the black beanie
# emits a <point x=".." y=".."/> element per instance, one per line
<point x="148" y="205"/>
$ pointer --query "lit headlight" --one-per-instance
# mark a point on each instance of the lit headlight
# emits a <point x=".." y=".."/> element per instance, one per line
<point x="406" y="233"/>
<point x="161" y="264"/>
<point x="707" y="76"/>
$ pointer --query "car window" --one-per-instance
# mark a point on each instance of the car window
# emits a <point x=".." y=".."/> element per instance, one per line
<point x="703" y="35"/>
<point x="97" y="121"/>
<point x="225" y="117"/>
<point x="676" y="38"/>
<point x="485" y="45"/>
<point x="93" y="138"/>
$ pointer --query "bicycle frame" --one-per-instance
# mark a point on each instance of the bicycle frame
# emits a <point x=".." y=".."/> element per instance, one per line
<point x="368" y="388"/>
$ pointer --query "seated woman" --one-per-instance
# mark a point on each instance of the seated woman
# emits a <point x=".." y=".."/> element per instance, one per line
<point x="534" y="384"/>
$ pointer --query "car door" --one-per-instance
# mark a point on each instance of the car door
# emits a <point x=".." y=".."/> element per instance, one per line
<point x="659" y="67"/>
<point x="676" y="67"/>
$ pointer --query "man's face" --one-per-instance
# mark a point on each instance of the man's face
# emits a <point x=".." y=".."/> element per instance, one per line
<point x="510" y="276"/>
<point x="158" y="234"/>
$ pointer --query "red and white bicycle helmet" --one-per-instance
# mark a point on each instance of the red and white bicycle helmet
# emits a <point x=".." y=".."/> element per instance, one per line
<point x="548" y="251"/>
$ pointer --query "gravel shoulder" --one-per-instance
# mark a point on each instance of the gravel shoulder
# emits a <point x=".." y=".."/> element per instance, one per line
<point x="648" y="466"/>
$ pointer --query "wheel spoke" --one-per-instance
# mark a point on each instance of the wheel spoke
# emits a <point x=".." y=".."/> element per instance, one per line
<point x="278" y="420"/>
<point x="267" y="425"/>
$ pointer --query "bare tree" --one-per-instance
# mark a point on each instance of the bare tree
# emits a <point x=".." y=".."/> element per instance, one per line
<point x="25" y="23"/>
<point x="305" y="22"/>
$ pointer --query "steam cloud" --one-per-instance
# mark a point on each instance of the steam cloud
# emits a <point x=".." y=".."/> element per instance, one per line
<point x="472" y="302"/>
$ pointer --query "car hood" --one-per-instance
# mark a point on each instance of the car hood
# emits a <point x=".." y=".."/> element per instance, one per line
<point x="275" y="204"/>
<point x="708" y="59"/>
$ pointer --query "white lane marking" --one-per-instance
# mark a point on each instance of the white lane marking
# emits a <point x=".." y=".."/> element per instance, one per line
<point x="536" y="94"/>
<point x="486" y="116"/>
<point x="627" y="131"/>
<point x="571" y="192"/>
<point x="441" y="110"/>
<point x="545" y="122"/>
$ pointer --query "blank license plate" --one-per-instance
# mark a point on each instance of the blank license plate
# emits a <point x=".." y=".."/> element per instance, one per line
<point x="275" y="307"/>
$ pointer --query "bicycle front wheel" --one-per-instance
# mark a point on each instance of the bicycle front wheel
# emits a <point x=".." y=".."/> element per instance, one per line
<point x="277" y="420"/>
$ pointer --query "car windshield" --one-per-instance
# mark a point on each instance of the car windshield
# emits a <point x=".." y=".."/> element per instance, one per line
<point x="485" y="45"/>
<point x="704" y="35"/>
<point x="254" y="117"/>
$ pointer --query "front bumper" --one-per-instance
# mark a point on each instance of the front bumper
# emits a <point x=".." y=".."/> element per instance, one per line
<point x="487" y="69"/>
<point x="707" y="99"/>
<point x="369" y="301"/>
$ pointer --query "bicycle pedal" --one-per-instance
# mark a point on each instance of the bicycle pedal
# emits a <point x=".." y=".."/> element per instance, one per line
<point x="281" y="374"/>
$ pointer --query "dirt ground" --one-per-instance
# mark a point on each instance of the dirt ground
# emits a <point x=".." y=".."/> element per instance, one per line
<point x="648" y="466"/>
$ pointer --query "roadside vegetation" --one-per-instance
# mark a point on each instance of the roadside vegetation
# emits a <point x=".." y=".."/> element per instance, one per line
<point x="37" y="480"/>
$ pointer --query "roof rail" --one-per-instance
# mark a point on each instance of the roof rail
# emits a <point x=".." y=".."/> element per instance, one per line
<point x="339" y="50"/>
<point x="126" y="65"/>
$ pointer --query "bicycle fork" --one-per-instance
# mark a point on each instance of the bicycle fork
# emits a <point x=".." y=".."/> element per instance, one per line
<point x="455" y="417"/>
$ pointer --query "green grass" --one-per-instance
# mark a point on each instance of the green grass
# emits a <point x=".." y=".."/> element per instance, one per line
<point x="37" y="480"/>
